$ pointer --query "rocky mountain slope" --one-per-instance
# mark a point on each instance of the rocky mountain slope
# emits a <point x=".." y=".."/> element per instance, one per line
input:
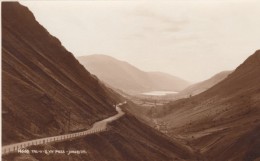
<point x="44" y="86"/>
<point x="124" y="76"/>
<point x="223" y="122"/>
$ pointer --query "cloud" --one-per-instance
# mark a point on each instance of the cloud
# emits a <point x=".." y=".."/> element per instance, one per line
<point x="169" y="23"/>
<point x="148" y="22"/>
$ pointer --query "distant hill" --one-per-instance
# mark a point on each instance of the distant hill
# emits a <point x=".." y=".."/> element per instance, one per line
<point x="126" y="77"/>
<point x="222" y="122"/>
<point x="200" y="87"/>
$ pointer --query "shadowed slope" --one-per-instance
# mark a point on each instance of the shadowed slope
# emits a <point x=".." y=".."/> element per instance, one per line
<point x="43" y="83"/>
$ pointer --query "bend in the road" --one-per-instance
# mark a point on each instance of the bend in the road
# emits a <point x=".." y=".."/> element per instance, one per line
<point x="97" y="127"/>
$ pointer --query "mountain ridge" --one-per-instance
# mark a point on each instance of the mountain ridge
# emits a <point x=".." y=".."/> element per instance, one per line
<point x="124" y="76"/>
<point x="202" y="86"/>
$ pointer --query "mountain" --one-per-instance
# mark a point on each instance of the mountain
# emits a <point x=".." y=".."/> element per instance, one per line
<point x="200" y="87"/>
<point x="223" y="122"/>
<point x="122" y="75"/>
<point x="44" y="87"/>
<point x="43" y="84"/>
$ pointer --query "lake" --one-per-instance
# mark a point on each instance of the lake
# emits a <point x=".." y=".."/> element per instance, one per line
<point x="159" y="93"/>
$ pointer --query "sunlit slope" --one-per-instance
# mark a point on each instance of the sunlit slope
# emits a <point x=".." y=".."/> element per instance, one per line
<point x="222" y="122"/>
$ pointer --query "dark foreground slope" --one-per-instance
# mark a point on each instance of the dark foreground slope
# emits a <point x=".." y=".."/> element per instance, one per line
<point x="43" y="84"/>
<point x="222" y="122"/>
<point x="127" y="140"/>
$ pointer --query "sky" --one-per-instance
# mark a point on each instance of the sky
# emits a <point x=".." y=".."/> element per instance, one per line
<point x="191" y="39"/>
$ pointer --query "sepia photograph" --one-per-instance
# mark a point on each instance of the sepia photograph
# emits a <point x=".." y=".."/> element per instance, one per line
<point x="130" y="80"/>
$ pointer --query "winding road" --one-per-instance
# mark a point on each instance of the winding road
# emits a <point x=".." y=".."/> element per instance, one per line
<point x="96" y="128"/>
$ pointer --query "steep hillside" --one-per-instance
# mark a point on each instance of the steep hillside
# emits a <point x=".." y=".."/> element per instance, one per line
<point x="122" y="75"/>
<point x="222" y="122"/>
<point x="127" y="140"/>
<point x="200" y="87"/>
<point x="45" y="91"/>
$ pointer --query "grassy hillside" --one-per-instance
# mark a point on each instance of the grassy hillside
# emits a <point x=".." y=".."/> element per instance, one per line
<point x="222" y="122"/>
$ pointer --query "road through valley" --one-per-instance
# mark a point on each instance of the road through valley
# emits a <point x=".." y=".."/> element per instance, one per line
<point x="97" y="127"/>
